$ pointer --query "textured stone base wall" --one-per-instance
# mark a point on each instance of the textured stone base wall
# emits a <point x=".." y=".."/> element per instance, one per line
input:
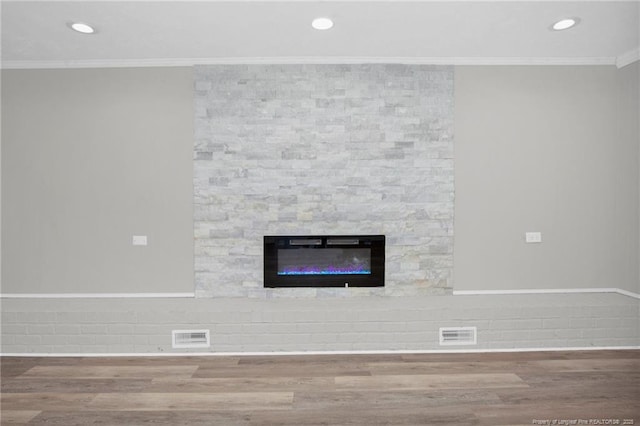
<point x="535" y="321"/>
<point x="323" y="149"/>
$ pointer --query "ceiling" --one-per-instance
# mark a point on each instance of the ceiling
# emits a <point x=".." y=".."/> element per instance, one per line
<point x="165" y="33"/>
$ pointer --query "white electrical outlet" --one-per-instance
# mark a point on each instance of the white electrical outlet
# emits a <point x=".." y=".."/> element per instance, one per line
<point x="139" y="240"/>
<point x="533" y="237"/>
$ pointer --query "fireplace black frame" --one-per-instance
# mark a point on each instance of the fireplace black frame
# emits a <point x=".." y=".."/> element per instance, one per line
<point x="376" y="244"/>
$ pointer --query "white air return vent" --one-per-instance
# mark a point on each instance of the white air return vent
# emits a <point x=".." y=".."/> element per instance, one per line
<point x="458" y="336"/>
<point x="190" y="339"/>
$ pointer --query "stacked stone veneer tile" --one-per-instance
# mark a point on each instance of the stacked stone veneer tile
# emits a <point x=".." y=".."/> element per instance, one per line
<point x="323" y="149"/>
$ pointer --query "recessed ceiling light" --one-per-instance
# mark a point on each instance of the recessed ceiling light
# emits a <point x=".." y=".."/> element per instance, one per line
<point x="82" y="28"/>
<point x="565" y="24"/>
<point x="322" y="23"/>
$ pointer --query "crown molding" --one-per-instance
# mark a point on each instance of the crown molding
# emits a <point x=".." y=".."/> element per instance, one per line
<point x="628" y="58"/>
<point x="187" y="62"/>
<point x="312" y="1"/>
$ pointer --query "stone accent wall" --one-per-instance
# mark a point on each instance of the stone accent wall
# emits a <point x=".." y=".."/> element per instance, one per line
<point x="323" y="149"/>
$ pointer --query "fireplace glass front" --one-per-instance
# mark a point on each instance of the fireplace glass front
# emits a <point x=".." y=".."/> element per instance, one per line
<point x="324" y="261"/>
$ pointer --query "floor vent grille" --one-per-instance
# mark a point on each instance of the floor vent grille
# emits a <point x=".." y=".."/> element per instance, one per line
<point x="458" y="336"/>
<point x="190" y="339"/>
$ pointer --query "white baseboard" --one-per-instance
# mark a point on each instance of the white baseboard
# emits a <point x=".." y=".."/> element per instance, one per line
<point x="546" y="291"/>
<point x="302" y="353"/>
<point x="628" y="293"/>
<point x="441" y="60"/>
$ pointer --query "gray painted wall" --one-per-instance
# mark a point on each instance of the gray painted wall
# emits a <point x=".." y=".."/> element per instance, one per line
<point x="91" y="158"/>
<point x="629" y="92"/>
<point x="0" y="184"/>
<point x="549" y="149"/>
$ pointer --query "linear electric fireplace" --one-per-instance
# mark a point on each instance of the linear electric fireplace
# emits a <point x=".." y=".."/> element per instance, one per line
<point x="324" y="261"/>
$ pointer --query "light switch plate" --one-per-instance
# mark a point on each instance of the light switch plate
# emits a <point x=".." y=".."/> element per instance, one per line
<point x="139" y="240"/>
<point x="533" y="237"/>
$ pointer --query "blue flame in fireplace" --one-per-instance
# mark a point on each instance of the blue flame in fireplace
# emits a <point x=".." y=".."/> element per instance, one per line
<point x="310" y="270"/>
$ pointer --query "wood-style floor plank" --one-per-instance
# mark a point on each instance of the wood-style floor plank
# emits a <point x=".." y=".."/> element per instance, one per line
<point x="62" y="385"/>
<point x="522" y="367"/>
<point x="16" y="366"/>
<point x="290" y="360"/>
<point x="17" y="416"/>
<point x="316" y="369"/>
<point x="522" y="356"/>
<point x="245" y="384"/>
<point x="143" y="418"/>
<point x="45" y="401"/>
<point x="432" y="381"/>
<point x="383" y="399"/>
<point x="159" y="361"/>
<point x="191" y="401"/>
<point x="346" y="416"/>
<point x="105" y="372"/>
<point x="498" y="415"/>
<point x="587" y="365"/>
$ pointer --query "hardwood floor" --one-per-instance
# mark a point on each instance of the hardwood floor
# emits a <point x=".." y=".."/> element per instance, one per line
<point x="589" y="387"/>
